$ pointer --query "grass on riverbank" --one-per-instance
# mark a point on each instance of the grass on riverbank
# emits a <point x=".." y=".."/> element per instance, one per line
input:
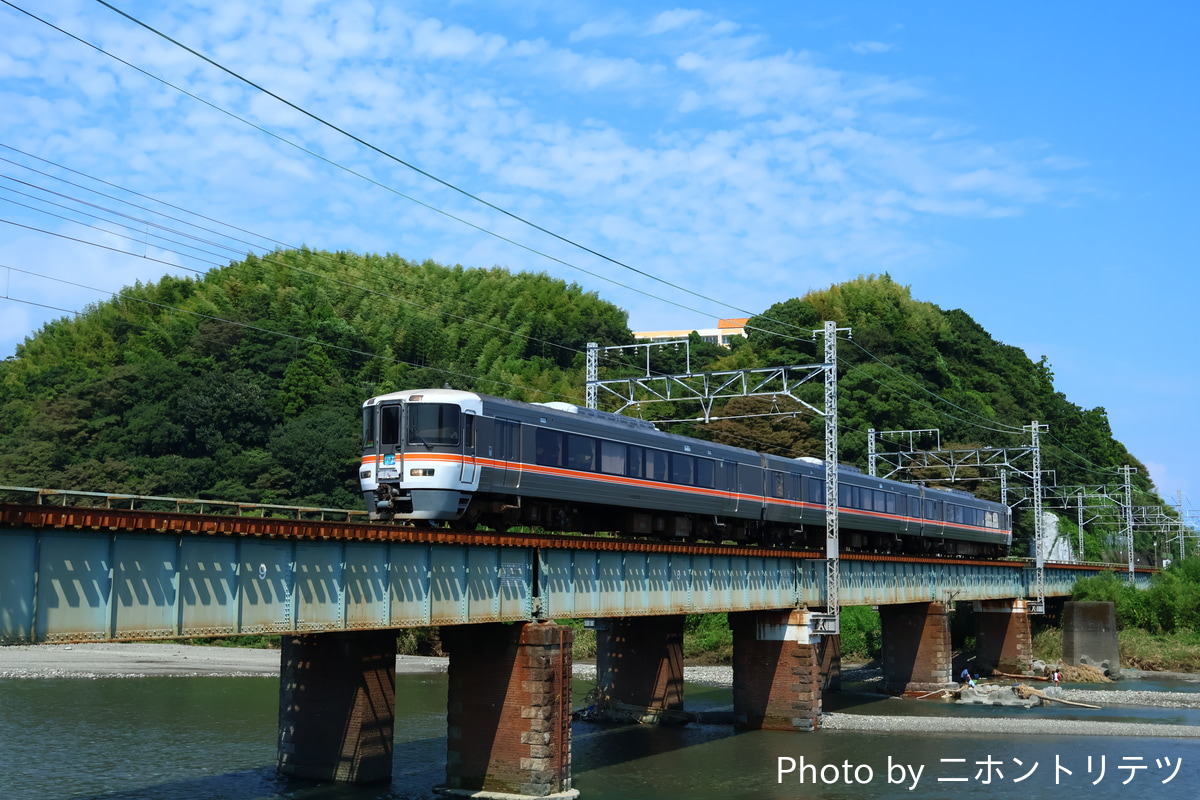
<point x="1175" y="652"/>
<point x="706" y="639"/>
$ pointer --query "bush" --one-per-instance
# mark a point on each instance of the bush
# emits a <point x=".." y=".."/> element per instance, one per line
<point x="1172" y="603"/>
<point x="862" y="633"/>
<point x="708" y="636"/>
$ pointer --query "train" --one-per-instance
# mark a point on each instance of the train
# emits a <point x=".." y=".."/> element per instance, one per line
<point x="445" y="456"/>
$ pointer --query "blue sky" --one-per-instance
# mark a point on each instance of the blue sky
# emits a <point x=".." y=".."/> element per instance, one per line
<point x="1033" y="164"/>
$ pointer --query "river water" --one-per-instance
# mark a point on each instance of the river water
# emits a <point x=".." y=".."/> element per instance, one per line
<point x="200" y="738"/>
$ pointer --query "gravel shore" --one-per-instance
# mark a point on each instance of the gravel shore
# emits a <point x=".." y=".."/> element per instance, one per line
<point x="1003" y="725"/>
<point x="153" y="659"/>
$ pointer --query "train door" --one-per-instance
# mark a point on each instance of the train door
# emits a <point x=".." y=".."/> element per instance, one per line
<point x="730" y="486"/>
<point x="506" y="449"/>
<point x="391" y="443"/>
<point x="469" y="465"/>
<point x="912" y="522"/>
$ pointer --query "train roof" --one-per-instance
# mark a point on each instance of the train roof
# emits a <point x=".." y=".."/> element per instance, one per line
<point x="434" y="395"/>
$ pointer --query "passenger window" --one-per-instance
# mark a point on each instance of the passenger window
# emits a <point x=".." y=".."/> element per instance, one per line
<point x="612" y="458"/>
<point x="706" y="473"/>
<point x="777" y="483"/>
<point x="581" y="453"/>
<point x="548" y="446"/>
<point x="683" y="469"/>
<point x="634" y="464"/>
<point x="656" y="465"/>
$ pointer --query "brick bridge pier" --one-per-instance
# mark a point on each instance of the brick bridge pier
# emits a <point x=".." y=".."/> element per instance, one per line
<point x="509" y="703"/>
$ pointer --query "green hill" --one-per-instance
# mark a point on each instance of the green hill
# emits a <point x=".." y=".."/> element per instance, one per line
<point x="244" y="384"/>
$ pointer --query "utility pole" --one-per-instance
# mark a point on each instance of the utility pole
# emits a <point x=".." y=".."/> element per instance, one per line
<point x="829" y="623"/>
<point x="1128" y="470"/>
<point x="1038" y="606"/>
<point x="1179" y="502"/>
<point x="871" y="452"/>
<point x="707" y="387"/>
<point x="593" y="375"/>
<point x="1079" y="518"/>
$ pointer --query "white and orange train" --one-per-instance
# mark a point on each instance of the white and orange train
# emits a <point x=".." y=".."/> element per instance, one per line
<point x="442" y="455"/>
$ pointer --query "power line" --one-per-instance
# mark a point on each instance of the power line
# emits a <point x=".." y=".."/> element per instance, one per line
<point x="374" y="182"/>
<point x="306" y="340"/>
<point x="425" y="173"/>
<point x="267" y="259"/>
<point x="1010" y="428"/>
<point x="449" y="185"/>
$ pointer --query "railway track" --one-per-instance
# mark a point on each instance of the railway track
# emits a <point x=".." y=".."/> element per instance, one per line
<point x="250" y="520"/>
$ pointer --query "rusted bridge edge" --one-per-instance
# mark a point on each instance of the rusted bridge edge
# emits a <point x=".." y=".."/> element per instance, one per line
<point x="14" y="515"/>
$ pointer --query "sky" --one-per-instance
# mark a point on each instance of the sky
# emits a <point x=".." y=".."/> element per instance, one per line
<point x="1033" y="164"/>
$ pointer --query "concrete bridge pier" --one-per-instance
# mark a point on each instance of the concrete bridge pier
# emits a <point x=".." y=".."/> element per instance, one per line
<point x="1003" y="639"/>
<point x="780" y="670"/>
<point x="916" y="647"/>
<point x="509" y="710"/>
<point x="639" y="663"/>
<point x="1090" y="635"/>
<point x="337" y="706"/>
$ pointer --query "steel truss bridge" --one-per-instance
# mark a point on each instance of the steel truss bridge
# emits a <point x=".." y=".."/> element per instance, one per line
<point x="122" y="573"/>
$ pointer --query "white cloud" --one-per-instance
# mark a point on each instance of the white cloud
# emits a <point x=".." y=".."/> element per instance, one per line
<point x="697" y="145"/>
<point x="870" y="48"/>
<point x="673" y="19"/>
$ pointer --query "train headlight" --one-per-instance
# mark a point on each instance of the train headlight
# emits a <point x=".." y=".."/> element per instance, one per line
<point x="421" y="472"/>
<point x="366" y="473"/>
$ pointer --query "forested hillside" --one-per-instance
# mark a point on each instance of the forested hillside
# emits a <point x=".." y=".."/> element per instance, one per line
<point x="245" y="384"/>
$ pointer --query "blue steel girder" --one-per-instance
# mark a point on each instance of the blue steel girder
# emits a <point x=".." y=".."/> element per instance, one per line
<point x="69" y="585"/>
<point x="59" y="585"/>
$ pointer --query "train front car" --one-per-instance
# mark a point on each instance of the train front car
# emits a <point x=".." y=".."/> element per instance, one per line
<point x="418" y="457"/>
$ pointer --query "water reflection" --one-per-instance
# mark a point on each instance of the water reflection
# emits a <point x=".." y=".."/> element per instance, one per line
<point x="198" y="738"/>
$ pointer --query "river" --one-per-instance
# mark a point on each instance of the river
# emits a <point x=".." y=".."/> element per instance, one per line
<point x="175" y="738"/>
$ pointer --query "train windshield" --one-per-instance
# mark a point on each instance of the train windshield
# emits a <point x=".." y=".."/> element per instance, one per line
<point x="381" y="425"/>
<point x="368" y="439"/>
<point x="433" y="424"/>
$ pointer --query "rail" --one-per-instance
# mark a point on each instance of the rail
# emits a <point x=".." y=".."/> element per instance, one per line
<point x="364" y="529"/>
<point x="178" y="505"/>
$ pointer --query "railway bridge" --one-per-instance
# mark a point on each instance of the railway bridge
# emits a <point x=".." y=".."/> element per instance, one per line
<point x="336" y="587"/>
